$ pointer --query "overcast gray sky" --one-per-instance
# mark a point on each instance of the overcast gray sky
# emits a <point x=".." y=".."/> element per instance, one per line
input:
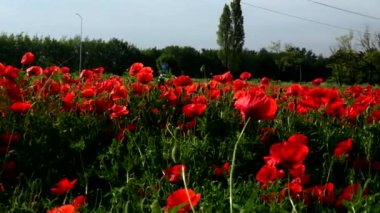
<point x="159" y="23"/>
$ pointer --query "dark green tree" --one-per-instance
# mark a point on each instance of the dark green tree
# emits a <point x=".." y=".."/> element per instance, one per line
<point x="224" y="37"/>
<point x="238" y="34"/>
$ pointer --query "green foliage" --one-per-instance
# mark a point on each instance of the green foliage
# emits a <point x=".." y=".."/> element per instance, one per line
<point x="352" y="66"/>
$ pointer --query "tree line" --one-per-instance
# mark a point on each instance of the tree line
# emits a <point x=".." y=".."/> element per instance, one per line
<point x="349" y="63"/>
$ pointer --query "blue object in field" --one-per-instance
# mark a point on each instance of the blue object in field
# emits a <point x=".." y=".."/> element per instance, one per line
<point x="165" y="67"/>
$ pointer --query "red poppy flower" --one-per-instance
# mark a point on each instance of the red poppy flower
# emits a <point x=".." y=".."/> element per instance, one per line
<point x="288" y="154"/>
<point x="135" y="68"/>
<point x="221" y="170"/>
<point x="199" y="99"/>
<point x="192" y="110"/>
<point x="119" y="92"/>
<point x="98" y="70"/>
<point x="34" y="70"/>
<point x="214" y="93"/>
<point x="188" y="125"/>
<point x="294" y="90"/>
<point x="27" y="58"/>
<point x="118" y="111"/>
<point x="11" y="72"/>
<point x="21" y="107"/>
<point x="192" y="88"/>
<point x="144" y="76"/>
<point x="316" y="82"/>
<point x="89" y="92"/>
<point x="323" y="194"/>
<point x="182" y="80"/>
<point x="256" y="105"/>
<point x="265" y="81"/>
<point x="65" y="69"/>
<point x="342" y="148"/>
<point x="245" y="75"/>
<point x="63" y="186"/>
<point x="293" y="188"/>
<point x="129" y="127"/>
<point x="146" y="70"/>
<point x="298" y="138"/>
<point x="298" y="171"/>
<point x="2" y="68"/>
<point x="268" y="174"/>
<point x="174" y="173"/>
<point x="68" y="100"/>
<point x="239" y="84"/>
<point x="182" y="197"/>
<point x="87" y="74"/>
<point x="223" y="78"/>
<point x="79" y="201"/>
<point x="68" y="208"/>
<point x="375" y="115"/>
<point x="139" y="89"/>
<point x="348" y="194"/>
<point x="50" y="70"/>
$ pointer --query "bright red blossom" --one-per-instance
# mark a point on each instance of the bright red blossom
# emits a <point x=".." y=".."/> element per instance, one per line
<point x="342" y="148"/>
<point x="267" y="174"/>
<point x="2" y="68"/>
<point x="289" y="153"/>
<point x="63" y="186"/>
<point x="256" y="105"/>
<point x="65" y="69"/>
<point x="323" y="194"/>
<point x="27" y="58"/>
<point x="316" y="82"/>
<point x="79" y="201"/>
<point x="11" y="72"/>
<point x="145" y="75"/>
<point x="245" y="75"/>
<point x="34" y="70"/>
<point x="192" y="110"/>
<point x="88" y="92"/>
<point x="182" y="80"/>
<point x="221" y="170"/>
<point x="348" y="194"/>
<point x="223" y="78"/>
<point x="21" y="107"/>
<point x="174" y="173"/>
<point x="265" y="81"/>
<point x="118" y="111"/>
<point x="239" y="84"/>
<point x="181" y="197"/>
<point x="135" y="68"/>
<point x="68" y="208"/>
<point x="294" y="188"/>
<point x="294" y="90"/>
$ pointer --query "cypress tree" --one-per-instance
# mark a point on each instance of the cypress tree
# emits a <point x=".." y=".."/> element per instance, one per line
<point x="238" y="34"/>
<point x="231" y="35"/>
<point x="224" y="37"/>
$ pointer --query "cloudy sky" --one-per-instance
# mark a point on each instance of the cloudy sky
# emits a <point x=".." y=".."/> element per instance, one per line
<point x="159" y="23"/>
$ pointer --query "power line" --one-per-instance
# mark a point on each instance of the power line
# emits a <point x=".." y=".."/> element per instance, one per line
<point x="345" y="10"/>
<point x="301" y="18"/>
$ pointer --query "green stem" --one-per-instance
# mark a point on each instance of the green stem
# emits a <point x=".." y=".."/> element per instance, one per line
<point x="187" y="192"/>
<point x="233" y="162"/>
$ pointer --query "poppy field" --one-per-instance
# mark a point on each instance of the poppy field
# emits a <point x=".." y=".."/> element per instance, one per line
<point x="94" y="142"/>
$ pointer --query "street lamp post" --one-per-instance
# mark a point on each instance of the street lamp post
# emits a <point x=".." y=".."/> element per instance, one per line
<point x="80" y="45"/>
